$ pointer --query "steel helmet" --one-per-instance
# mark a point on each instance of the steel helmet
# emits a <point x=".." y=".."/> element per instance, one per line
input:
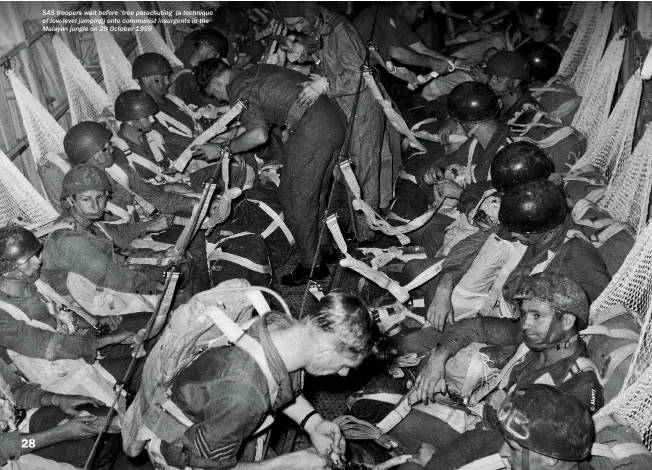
<point x="544" y="60"/>
<point x="510" y="64"/>
<point x="82" y="178"/>
<point x="150" y="64"/>
<point x="472" y="102"/>
<point x="132" y="105"/>
<point x="533" y="207"/>
<point x="548" y="421"/>
<point x="84" y="140"/>
<point x="212" y="38"/>
<point x="545" y="13"/>
<point x="17" y="245"/>
<point x="559" y="292"/>
<point x="517" y="163"/>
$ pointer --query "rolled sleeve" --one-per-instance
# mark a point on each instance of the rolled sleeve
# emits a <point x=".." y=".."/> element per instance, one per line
<point x="24" y="339"/>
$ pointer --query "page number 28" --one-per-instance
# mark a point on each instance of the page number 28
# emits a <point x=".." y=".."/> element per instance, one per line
<point x="27" y="443"/>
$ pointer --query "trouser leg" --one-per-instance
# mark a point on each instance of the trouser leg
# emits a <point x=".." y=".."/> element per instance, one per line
<point x="309" y="157"/>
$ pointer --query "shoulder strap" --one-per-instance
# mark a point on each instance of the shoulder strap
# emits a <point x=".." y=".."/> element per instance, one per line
<point x="583" y="364"/>
<point x="19" y="315"/>
<point x="236" y="335"/>
<point x="469" y="162"/>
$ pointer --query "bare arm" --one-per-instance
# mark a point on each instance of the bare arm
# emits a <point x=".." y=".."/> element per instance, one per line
<point x="249" y="139"/>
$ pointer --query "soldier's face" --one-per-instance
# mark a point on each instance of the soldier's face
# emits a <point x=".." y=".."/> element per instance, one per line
<point x="501" y="86"/>
<point x="414" y="11"/>
<point x="217" y="89"/>
<point x="104" y="158"/>
<point x="157" y="85"/>
<point x="539" y="324"/>
<point x="145" y="124"/>
<point x="327" y="360"/>
<point x="90" y="204"/>
<point x="29" y="271"/>
<point x="300" y="25"/>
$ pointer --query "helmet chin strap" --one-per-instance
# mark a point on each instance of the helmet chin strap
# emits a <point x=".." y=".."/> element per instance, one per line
<point x="561" y="344"/>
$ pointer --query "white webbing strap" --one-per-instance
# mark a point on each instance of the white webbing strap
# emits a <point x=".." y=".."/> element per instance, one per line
<point x="425" y="276"/>
<point x="618" y="451"/>
<point x="144" y="204"/>
<point x="156" y="145"/>
<point x="59" y="162"/>
<point x="402" y="409"/>
<point x="236" y="335"/>
<point x="53" y="295"/>
<point x="619" y="333"/>
<point x="216" y="129"/>
<point x="173" y="125"/>
<point x="552" y="139"/>
<point x="395" y="119"/>
<point x="118" y="212"/>
<point x="240" y="260"/>
<point x="150" y="261"/>
<point x="277" y="221"/>
<point x="379" y="278"/>
<point x="134" y="158"/>
<point x="375" y="221"/>
<point x="469" y="177"/>
<point x="491" y="462"/>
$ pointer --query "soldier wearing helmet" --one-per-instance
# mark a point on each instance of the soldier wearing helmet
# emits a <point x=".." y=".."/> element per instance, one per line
<point x="543" y="346"/>
<point x="128" y="189"/>
<point x="539" y="19"/>
<point x="177" y="122"/>
<point x="535" y="233"/>
<point x="137" y="110"/>
<point x="544" y="427"/>
<point x="204" y="44"/>
<point x="475" y="107"/>
<point x="84" y="246"/>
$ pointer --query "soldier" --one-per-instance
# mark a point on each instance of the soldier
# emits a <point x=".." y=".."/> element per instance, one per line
<point x="340" y="60"/>
<point x="544" y="427"/>
<point x="207" y="44"/>
<point x="314" y="135"/>
<point x="83" y="251"/>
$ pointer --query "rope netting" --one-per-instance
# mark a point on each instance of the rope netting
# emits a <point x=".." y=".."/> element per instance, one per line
<point x="116" y="68"/>
<point x="634" y="402"/>
<point x="575" y="13"/>
<point x="18" y="198"/>
<point x="87" y="99"/>
<point x="44" y="133"/>
<point x="628" y="195"/>
<point x="613" y="143"/>
<point x="586" y="47"/>
<point x="596" y="102"/>
<point x="149" y="40"/>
